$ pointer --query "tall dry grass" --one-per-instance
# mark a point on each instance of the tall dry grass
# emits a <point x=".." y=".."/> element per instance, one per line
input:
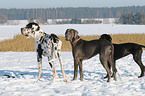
<point x="21" y="43"/>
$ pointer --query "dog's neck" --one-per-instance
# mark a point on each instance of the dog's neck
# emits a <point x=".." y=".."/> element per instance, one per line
<point x="38" y="35"/>
<point x="75" y="40"/>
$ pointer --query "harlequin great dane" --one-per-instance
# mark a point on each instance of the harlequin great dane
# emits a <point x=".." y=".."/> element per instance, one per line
<point x="46" y="45"/>
<point x="124" y="49"/>
<point x="83" y="50"/>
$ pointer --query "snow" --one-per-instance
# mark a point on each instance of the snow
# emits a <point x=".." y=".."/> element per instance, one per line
<point x="23" y="70"/>
<point x="7" y="32"/>
<point x="19" y="70"/>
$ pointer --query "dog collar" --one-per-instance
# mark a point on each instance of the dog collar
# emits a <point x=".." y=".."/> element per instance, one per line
<point x="76" y="40"/>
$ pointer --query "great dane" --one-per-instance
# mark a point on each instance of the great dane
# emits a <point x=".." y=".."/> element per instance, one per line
<point x="124" y="49"/>
<point x="45" y="45"/>
<point x="83" y="50"/>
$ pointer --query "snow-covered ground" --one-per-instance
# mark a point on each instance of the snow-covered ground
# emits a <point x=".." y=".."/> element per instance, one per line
<point x="23" y="69"/>
<point x="19" y="70"/>
<point x="7" y="32"/>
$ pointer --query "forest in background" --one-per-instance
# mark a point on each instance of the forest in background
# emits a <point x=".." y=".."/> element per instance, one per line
<point x="123" y="15"/>
<point x="69" y="13"/>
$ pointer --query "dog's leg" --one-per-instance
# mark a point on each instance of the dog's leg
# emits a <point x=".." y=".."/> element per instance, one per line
<point x="75" y="69"/>
<point x="40" y="66"/>
<point x="112" y="63"/>
<point x="137" y="59"/>
<point x="62" y="69"/>
<point x="110" y="71"/>
<point x="50" y="64"/>
<point x="81" y="70"/>
<point x="39" y="59"/>
<point x="105" y="65"/>
<point x="55" y="76"/>
<point x="107" y="70"/>
<point x="114" y="71"/>
<point x="40" y="69"/>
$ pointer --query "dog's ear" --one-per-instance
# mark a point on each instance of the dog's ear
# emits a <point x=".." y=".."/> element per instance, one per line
<point x="109" y="37"/>
<point x="38" y="28"/>
<point x="75" y="33"/>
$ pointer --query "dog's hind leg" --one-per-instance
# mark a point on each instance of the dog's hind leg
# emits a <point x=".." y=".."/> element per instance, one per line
<point x="113" y="68"/>
<point x="105" y="65"/>
<point x="55" y="75"/>
<point x="109" y="69"/>
<point x="62" y="69"/>
<point x="137" y="59"/>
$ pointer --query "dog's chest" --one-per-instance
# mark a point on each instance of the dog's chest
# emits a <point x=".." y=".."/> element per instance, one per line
<point x="47" y="46"/>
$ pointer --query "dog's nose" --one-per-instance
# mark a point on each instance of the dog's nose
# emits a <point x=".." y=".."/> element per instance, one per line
<point x="66" y="38"/>
<point x="22" y="29"/>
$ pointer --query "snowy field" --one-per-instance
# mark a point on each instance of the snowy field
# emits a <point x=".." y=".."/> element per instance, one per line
<point x="18" y="77"/>
<point x="7" y="32"/>
<point x="19" y="70"/>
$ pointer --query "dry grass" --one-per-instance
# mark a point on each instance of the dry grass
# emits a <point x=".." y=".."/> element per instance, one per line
<point x="20" y="43"/>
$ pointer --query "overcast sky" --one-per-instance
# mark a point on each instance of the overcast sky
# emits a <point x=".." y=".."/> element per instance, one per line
<point x="68" y="3"/>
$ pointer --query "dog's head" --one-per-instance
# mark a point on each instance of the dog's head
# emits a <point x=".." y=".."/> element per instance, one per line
<point x="30" y="29"/>
<point x="106" y="37"/>
<point x="71" y="34"/>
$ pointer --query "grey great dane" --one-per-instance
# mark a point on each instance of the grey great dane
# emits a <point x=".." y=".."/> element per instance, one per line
<point x="45" y="45"/>
<point x="83" y="50"/>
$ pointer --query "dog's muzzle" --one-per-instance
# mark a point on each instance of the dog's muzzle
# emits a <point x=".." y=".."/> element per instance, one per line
<point x="22" y="32"/>
<point x="66" y="38"/>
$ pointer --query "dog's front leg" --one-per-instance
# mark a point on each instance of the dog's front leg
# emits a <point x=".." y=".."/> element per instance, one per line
<point x="40" y="67"/>
<point x="39" y="59"/>
<point x="81" y="70"/>
<point x="75" y="69"/>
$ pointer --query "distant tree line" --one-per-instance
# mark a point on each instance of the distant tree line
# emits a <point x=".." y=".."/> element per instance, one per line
<point x="42" y="14"/>
<point x="68" y="13"/>
<point x="78" y="21"/>
<point x="132" y="19"/>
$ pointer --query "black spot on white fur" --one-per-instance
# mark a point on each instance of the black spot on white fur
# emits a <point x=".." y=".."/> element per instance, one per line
<point x="31" y="24"/>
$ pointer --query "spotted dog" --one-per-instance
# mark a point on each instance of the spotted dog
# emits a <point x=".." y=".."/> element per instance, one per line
<point x="45" y="45"/>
